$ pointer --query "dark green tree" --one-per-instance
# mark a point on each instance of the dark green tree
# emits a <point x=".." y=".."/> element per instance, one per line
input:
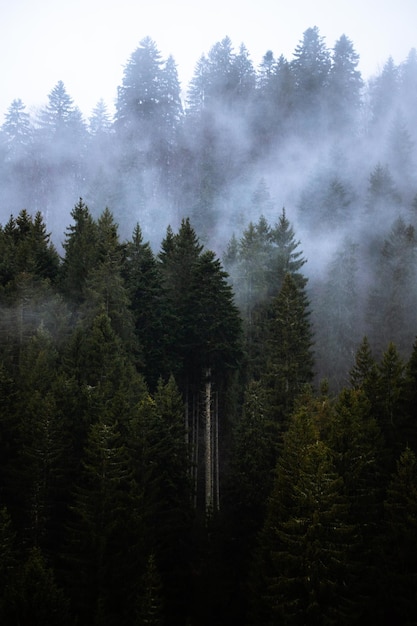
<point x="410" y="400"/>
<point x="305" y="542"/>
<point x="355" y="437"/>
<point x="288" y="364"/>
<point x="151" y="609"/>
<point x="103" y="530"/>
<point x="390" y="405"/>
<point x="80" y="248"/>
<point x="143" y="282"/>
<point x="246" y="490"/>
<point x="105" y="290"/>
<point x="34" y="596"/>
<point x="400" y="557"/>
<point x="205" y="328"/>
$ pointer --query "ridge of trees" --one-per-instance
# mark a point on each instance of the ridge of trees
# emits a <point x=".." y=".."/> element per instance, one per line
<point x="186" y="443"/>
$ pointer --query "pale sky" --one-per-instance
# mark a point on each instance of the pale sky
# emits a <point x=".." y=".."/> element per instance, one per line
<point x="86" y="43"/>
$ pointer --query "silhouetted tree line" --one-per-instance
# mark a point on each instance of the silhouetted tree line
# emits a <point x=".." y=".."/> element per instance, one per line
<point x="182" y="445"/>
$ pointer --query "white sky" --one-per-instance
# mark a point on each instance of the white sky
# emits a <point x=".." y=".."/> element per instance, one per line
<point x="86" y="43"/>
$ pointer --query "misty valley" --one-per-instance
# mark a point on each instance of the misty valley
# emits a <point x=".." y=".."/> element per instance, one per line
<point x="208" y="340"/>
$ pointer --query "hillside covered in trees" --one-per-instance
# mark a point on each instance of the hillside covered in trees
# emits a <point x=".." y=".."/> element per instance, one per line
<point x="208" y="379"/>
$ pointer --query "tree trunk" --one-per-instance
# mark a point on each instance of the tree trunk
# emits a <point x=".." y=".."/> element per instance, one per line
<point x="209" y="460"/>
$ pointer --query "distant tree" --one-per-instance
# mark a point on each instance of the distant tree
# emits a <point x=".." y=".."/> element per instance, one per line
<point x="382" y="194"/>
<point x="273" y="103"/>
<point x="392" y="300"/>
<point x="326" y="201"/>
<point x="60" y="117"/>
<point x="221" y="77"/>
<point x="337" y="321"/>
<point x="345" y="85"/>
<point x="408" y="89"/>
<point x="148" y="105"/>
<point x="311" y="69"/>
<point x="245" y="75"/>
<point x="265" y="69"/>
<point x="286" y="256"/>
<point x="62" y="137"/>
<point x="17" y="130"/>
<point x="100" y="122"/>
<point x="196" y="94"/>
<point x="400" y="157"/>
<point x="383" y="91"/>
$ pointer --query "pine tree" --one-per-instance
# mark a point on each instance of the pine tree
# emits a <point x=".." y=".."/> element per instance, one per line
<point x="337" y="319"/>
<point x="105" y="290"/>
<point x="356" y="440"/>
<point x="304" y="548"/>
<point x="17" y="130"/>
<point x="288" y="349"/>
<point x="287" y="258"/>
<point x="383" y="91"/>
<point x="205" y="329"/>
<point x="151" y="610"/>
<point x="34" y="596"/>
<point x="246" y="491"/>
<point x="345" y="85"/>
<point x="410" y="400"/>
<point x="390" y="406"/>
<point x="400" y="555"/>
<point x="311" y="68"/>
<point x="103" y="529"/>
<point x="143" y="282"/>
<point x="80" y="248"/>
<point x="393" y="299"/>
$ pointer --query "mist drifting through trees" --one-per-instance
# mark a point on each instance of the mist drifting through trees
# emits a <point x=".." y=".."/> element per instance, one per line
<point x="208" y="345"/>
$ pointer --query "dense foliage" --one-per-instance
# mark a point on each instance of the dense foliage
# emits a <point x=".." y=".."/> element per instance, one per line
<point x="190" y="436"/>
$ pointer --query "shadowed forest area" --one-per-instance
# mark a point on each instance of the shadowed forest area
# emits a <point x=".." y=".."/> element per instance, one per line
<point x="208" y="373"/>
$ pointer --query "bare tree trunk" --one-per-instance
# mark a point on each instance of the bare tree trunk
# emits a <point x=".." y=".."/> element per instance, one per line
<point x="195" y="444"/>
<point x="208" y="443"/>
<point x="216" y="451"/>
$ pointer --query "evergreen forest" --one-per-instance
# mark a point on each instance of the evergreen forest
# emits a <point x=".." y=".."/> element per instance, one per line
<point x="208" y="346"/>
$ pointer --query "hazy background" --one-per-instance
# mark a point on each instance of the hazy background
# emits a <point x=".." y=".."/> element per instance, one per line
<point x="86" y="43"/>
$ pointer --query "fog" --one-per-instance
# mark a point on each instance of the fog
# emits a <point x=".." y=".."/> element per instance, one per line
<point x="337" y="152"/>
